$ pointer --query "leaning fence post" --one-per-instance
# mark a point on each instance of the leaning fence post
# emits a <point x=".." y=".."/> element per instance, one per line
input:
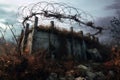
<point x="20" y="44"/>
<point x="26" y="33"/>
<point x="26" y="36"/>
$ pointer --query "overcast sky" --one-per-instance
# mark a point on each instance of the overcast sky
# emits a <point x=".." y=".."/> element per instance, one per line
<point x="97" y="8"/>
<point x="101" y="10"/>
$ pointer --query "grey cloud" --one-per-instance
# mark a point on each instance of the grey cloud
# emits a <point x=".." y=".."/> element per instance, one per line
<point x="8" y="16"/>
<point x="2" y="12"/>
<point x="104" y="21"/>
<point x="4" y="5"/>
<point x="115" y="5"/>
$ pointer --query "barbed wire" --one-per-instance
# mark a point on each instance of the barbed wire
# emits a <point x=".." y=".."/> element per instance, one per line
<point x="115" y="29"/>
<point x="56" y="11"/>
<point x="5" y="32"/>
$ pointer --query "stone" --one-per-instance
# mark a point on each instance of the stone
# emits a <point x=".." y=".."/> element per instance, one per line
<point x="82" y="67"/>
<point x="70" y="77"/>
<point x="80" y="78"/>
<point x="90" y="75"/>
<point x="53" y="76"/>
<point x="99" y="76"/>
<point x="62" y="78"/>
<point x="94" y="54"/>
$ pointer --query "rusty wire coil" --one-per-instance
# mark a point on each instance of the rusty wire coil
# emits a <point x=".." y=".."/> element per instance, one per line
<point x="60" y="12"/>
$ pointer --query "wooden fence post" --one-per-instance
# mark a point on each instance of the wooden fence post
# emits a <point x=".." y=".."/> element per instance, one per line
<point x="72" y="50"/>
<point x="52" y="24"/>
<point x="96" y="39"/>
<point x="36" y="22"/>
<point x="88" y="35"/>
<point x="81" y="34"/>
<point x="26" y="31"/>
<point x="33" y="34"/>
<point x="25" y="36"/>
<point x="49" y="37"/>
<point x="93" y="37"/>
<point x="20" y="44"/>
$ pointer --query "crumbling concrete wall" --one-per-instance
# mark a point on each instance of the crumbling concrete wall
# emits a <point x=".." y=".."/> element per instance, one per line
<point x="56" y="43"/>
<point x="41" y="41"/>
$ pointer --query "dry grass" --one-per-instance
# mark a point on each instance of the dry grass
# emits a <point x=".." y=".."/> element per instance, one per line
<point x="33" y="67"/>
<point x="37" y="67"/>
<point x="114" y="63"/>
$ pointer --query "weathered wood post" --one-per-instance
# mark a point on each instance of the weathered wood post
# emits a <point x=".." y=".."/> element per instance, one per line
<point x="51" y="45"/>
<point x="96" y="39"/>
<point x="52" y="24"/>
<point x="20" y="42"/>
<point x="83" y="46"/>
<point x="26" y="33"/>
<point x="93" y="37"/>
<point x="81" y="34"/>
<point x="88" y="35"/>
<point x="49" y="36"/>
<point x="32" y="49"/>
<point x="24" y="40"/>
<point x="81" y="39"/>
<point x="72" y="51"/>
<point x="36" y="22"/>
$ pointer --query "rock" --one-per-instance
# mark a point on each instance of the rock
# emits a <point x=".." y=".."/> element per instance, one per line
<point x="80" y="78"/>
<point x="81" y="70"/>
<point x="62" y="78"/>
<point x="94" y="53"/>
<point x="70" y="77"/>
<point x="82" y="67"/>
<point x="111" y="73"/>
<point x="53" y="76"/>
<point x="95" y="76"/>
<point x="99" y="76"/>
<point x="90" y="75"/>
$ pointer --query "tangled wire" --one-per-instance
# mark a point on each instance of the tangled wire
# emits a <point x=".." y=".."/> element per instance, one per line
<point x="56" y="11"/>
